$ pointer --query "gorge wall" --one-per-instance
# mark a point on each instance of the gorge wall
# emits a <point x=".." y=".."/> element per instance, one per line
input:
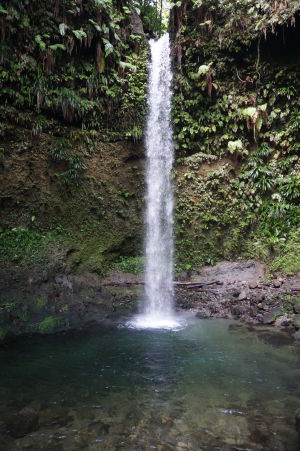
<point x="73" y="86"/>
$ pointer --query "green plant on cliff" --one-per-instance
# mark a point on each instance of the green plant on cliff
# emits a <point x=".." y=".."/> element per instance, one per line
<point x="288" y="259"/>
<point x="134" y="265"/>
<point x="47" y="325"/>
<point x="22" y="245"/>
<point x="74" y="164"/>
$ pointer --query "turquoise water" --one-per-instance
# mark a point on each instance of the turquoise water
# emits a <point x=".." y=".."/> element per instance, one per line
<point x="214" y="385"/>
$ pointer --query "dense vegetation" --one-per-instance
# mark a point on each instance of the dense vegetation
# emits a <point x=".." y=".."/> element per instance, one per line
<point x="237" y="116"/>
<point x="78" y="61"/>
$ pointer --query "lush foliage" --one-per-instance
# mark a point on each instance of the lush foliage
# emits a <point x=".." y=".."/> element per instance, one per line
<point x="134" y="265"/>
<point x="74" y="60"/>
<point x="22" y="245"/>
<point x="236" y="115"/>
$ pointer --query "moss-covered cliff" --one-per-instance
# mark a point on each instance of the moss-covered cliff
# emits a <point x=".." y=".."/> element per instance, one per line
<point x="236" y="116"/>
<point x="73" y="79"/>
<point x="95" y="216"/>
<point x="73" y="83"/>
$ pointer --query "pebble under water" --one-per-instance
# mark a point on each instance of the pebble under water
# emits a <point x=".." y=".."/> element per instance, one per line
<point x="214" y="385"/>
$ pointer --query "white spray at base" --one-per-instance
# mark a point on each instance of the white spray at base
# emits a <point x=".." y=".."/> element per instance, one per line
<point x="159" y="291"/>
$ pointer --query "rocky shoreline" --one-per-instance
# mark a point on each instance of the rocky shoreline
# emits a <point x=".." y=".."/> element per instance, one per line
<point x="234" y="290"/>
<point x="50" y="301"/>
<point x="244" y="291"/>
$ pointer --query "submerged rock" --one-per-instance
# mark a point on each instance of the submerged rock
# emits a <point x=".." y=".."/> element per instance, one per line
<point x="23" y="422"/>
<point x="99" y="427"/>
<point x="202" y="315"/>
<point x="297" y="418"/>
<point x="237" y="311"/>
<point x="55" y="417"/>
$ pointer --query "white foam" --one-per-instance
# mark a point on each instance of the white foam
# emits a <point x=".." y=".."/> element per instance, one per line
<point x="155" y="322"/>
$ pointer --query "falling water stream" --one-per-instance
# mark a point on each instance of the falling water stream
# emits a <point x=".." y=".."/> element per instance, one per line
<point x="158" y="309"/>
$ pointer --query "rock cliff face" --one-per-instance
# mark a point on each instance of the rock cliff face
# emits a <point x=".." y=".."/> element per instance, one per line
<point x="73" y="85"/>
<point x="86" y="222"/>
<point x="54" y="233"/>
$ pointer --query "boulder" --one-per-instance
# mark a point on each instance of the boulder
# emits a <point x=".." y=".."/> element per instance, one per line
<point x="297" y="308"/>
<point x="237" y="311"/>
<point x="260" y="297"/>
<point x="276" y="311"/>
<point x="297" y="335"/>
<point x="297" y="322"/>
<point x="282" y="321"/>
<point x="242" y="295"/>
<point x="277" y="283"/>
<point x="252" y="285"/>
<point x="63" y="281"/>
<point x="268" y="318"/>
<point x="23" y="422"/>
<point x="235" y="292"/>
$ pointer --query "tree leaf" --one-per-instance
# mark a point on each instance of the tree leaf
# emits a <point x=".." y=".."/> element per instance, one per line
<point x="40" y="42"/>
<point x="109" y="48"/>
<point x="55" y="47"/>
<point x="79" y="34"/>
<point x="235" y="146"/>
<point x="204" y="69"/>
<point x="249" y="112"/>
<point x="62" y="28"/>
<point x="2" y="10"/>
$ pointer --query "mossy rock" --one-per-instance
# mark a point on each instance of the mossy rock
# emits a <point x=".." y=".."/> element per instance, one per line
<point x="48" y="325"/>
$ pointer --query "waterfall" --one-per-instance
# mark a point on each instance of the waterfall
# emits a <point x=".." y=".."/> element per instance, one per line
<point x="159" y="293"/>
